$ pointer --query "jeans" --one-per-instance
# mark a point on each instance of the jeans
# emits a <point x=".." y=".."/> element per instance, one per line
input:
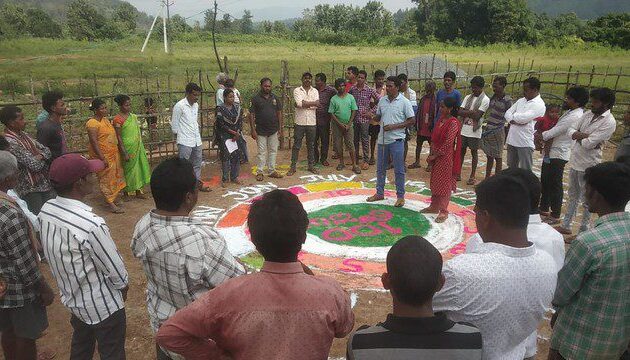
<point x="36" y="200"/>
<point x="362" y="135"/>
<point x="109" y="334"/>
<point x="194" y="155"/>
<point x="552" y="190"/>
<point x="267" y="151"/>
<point x="396" y="151"/>
<point x="520" y="157"/>
<point x="230" y="166"/>
<point x="299" y="132"/>
<point x="576" y="196"/>
<point x="242" y="146"/>
<point x="322" y="142"/>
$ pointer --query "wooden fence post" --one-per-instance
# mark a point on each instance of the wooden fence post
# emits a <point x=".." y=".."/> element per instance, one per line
<point x="95" y="86"/>
<point x="568" y="78"/>
<point x="590" y="78"/>
<point x="433" y="67"/>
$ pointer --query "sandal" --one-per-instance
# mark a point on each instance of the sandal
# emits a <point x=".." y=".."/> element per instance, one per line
<point x="291" y="172"/>
<point x="325" y="163"/>
<point x="340" y="167"/>
<point x="275" y="175"/>
<point x="260" y="177"/>
<point x="414" y="166"/>
<point x="470" y="181"/>
<point x="442" y="217"/>
<point x="115" y="209"/>
<point x="356" y="170"/>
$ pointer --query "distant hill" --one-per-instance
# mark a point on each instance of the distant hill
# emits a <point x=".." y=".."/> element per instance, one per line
<point x="585" y="9"/>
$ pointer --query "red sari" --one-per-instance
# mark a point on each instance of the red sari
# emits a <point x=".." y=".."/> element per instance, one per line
<point x="446" y="146"/>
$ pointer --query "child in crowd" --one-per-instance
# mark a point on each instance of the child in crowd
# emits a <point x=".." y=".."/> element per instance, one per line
<point x="544" y="123"/>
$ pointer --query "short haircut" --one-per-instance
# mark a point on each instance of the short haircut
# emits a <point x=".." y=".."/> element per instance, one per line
<point x="532" y="82"/>
<point x="227" y="92"/>
<point x="320" y="76"/>
<point x="612" y="181"/>
<point x="353" y="69"/>
<point x="229" y="83"/>
<point x="277" y="223"/>
<point x="50" y="98"/>
<point x="531" y="181"/>
<point x="171" y="180"/>
<point x="121" y="99"/>
<point x="264" y="80"/>
<point x="4" y="144"/>
<point x="307" y="74"/>
<point x="339" y="82"/>
<point x="579" y="94"/>
<point x="414" y="266"/>
<point x="8" y="114"/>
<point x="190" y="87"/>
<point x="363" y="72"/>
<point x="451" y="102"/>
<point x="451" y="75"/>
<point x="395" y="80"/>
<point x="604" y="95"/>
<point x="8" y="165"/>
<point x="550" y="107"/>
<point x="379" y="73"/>
<point x="478" y="81"/>
<point x="221" y="77"/>
<point x="506" y="199"/>
<point x="403" y="77"/>
<point x="501" y="80"/>
<point x="96" y="104"/>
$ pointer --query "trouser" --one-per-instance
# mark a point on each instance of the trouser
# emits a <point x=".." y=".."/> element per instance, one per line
<point x="520" y="157"/>
<point x="192" y="154"/>
<point x="551" y="186"/>
<point x="362" y="136"/>
<point x="36" y="200"/>
<point x="576" y="197"/>
<point x="109" y="334"/>
<point x="322" y="142"/>
<point x="242" y="146"/>
<point x="299" y="132"/>
<point x="230" y="166"/>
<point x="395" y="151"/>
<point x="267" y="152"/>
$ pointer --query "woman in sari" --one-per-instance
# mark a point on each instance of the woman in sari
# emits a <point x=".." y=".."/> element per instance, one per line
<point x="229" y="126"/>
<point x="135" y="163"/>
<point x="444" y="159"/>
<point x="104" y="146"/>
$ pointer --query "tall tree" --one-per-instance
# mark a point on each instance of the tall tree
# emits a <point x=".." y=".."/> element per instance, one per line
<point x="247" y="25"/>
<point x="40" y="24"/>
<point x="85" y="21"/>
<point x="126" y="16"/>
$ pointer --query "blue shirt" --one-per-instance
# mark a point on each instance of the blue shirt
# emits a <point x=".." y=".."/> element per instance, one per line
<point x="441" y="95"/>
<point x="41" y="117"/>
<point x="391" y="113"/>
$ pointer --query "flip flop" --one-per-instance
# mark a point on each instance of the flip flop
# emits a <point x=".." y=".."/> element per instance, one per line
<point x="260" y="177"/>
<point x="414" y="166"/>
<point x="441" y="218"/>
<point x="470" y="182"/>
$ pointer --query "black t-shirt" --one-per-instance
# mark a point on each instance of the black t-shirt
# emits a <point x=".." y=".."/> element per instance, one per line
<point x="51" y="135"/>
<point x="264" y="110"/>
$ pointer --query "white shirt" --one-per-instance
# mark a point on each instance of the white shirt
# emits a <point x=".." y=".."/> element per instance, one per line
<point x="22" y="204"/>
<point x="523" y="113"/>
<point x="410" y="94"/>
<point x="561" y="146"/>
<point x="219" y="96"/>
<point x="503" y="291"/>
<point x="83" y="259"/>
<point x="467" y="126"/>
<point x="588" y="152"/>
<point x="305" y="116"/>
<point x="184" y="123"/>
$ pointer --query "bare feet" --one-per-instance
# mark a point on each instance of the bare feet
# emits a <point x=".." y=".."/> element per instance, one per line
<point x="429" y="210"/>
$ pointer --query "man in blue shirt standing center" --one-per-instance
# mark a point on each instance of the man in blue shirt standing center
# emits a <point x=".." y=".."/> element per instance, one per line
<point x="395" y="113"/>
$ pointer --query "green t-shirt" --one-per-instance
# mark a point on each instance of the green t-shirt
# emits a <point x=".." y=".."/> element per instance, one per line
<point x="342" y="107"/>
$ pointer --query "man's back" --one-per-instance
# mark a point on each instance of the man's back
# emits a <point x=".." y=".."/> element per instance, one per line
<point x="503" y="291"/>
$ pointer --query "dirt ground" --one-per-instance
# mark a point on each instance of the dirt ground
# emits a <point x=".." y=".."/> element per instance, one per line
<point x="371" y="306"/>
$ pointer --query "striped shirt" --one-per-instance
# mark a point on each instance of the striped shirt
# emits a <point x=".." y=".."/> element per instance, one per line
<point x="495" y="115"/>
<point x="416" y="338"/>
<point x="83" y="259"/>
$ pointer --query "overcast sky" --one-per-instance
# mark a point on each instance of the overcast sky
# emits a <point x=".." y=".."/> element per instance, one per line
<point x="261" y="9"/>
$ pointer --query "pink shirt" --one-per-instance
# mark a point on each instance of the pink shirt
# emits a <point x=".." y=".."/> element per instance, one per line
<point x="278" y="313"/>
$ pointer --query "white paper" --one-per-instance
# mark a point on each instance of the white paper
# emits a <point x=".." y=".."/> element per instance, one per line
<point x="231" y="145"/>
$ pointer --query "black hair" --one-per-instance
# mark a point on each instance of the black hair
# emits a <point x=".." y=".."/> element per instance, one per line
<point x="62" y="189"/>
<point x="579" y="94"/>
<point x="451" y="75"/>
<point x="321" y="76"/>
<point x="379" y="73"/>
<point x="50" y="98"/>
<point x="307" y="74"/>
<point x="506" y="199"/>
<point x="501" y="80"/>
<point x="395" y="80"/>
<point x="121" y="99"/>
<point x="148" y="102"/>
<point x="353" y="69"/>
<point x="362" y="72"/>
<point x="414" y="267"/>
<point x="227" y="92"/>
<point x="612" y="181"/>
<point x="339" y="82"/>
<point x="171" y="180"/>
<point x="277" y="223"/>
<point x="532" y="82"/>
<point x="604" y="95"/>
<point x="229" y="83"/>
<point x="531" y="182"/>
<point x="552" y="106"/>
<point x="403" y="77"/>
<point x="8" y="114"/>
<point x="4" y="144"/>
<point x="478" y="81"/>
<point x="96" y="103"/>
<point x="190" y="87"/>
<point x="451" y="102"/>
<point x="264" y="80"/>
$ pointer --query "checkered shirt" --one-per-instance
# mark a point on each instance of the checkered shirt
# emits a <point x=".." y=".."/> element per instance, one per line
<point x="182" y="259"/>
<point x="593" y="292"/>
<point x="18" y="262"/>
<point x="364" y="98"/>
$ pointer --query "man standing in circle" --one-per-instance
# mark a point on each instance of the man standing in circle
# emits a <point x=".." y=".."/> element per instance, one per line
<point x="265" y="120"/>
<point x="343" y="109"/>
<point x="395" y="114"/>
<point x="306" y="101"/>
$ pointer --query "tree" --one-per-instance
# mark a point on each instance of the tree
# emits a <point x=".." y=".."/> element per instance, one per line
<point x="85" y="22"/>
<point x="247" y="25"/>
<point x="225" y="25"/>
<point x="373" y="19"/>
<point x="279" y="27"/>
<point x="13" y="21"/>
<point x="126" y="16"/>
<point x="266" y="27"/>
<point x="40" y="24"/>
<point x="612" y="29"/>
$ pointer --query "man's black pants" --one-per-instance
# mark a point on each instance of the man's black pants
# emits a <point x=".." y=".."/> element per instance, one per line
<point x="552" y="189"/>
<point x="109" y="334"/>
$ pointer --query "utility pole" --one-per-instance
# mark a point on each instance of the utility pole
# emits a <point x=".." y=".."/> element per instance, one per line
<point x="168" y="23"/>
<point x="214" y="41"/>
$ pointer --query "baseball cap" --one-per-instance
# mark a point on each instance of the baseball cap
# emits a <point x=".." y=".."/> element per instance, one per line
<point x="70" y="168"/>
